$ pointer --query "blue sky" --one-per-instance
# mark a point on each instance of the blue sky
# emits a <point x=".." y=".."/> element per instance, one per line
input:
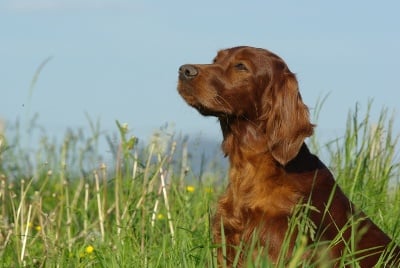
<point x="118" y="60"/>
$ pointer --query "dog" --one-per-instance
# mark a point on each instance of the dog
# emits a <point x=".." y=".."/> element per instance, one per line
<point x="264" y="124"/>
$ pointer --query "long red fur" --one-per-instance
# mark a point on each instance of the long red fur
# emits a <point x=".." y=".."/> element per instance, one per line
<point x="264" y="124"/>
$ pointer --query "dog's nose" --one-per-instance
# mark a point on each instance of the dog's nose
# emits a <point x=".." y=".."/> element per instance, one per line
<point x="187" y="72"/>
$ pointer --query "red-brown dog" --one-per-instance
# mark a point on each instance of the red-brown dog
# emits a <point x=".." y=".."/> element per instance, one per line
<point x="264" y="123"/>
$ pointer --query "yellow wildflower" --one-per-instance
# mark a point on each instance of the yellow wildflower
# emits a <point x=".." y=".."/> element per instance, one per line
<point x="190" y="189"/>
<point x="38" y="228"/>
<point x="160" y="216"/>
<point x="89" y="249"/>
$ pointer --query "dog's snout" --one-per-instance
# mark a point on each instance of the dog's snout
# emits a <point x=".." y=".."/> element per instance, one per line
<point x="187" y="72"/>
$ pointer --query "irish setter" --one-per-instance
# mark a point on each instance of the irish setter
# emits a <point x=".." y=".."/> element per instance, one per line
<point x="264" y="124"/>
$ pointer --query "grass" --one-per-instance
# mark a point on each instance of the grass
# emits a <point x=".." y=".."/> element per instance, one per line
<point x="64" y="205"/>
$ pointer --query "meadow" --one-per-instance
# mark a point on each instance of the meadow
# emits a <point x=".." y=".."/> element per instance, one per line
<point x="64" y="205"/>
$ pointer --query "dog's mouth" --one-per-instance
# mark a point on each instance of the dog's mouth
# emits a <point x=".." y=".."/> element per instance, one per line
<point x="195" y="102"/>
<point x="187" y="94"/>
<point x="205" y="111"/>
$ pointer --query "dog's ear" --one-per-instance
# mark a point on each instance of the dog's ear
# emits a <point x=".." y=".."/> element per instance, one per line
<point x="286" y="116"/>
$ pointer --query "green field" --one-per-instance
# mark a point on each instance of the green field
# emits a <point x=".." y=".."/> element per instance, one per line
<point x="63" y="205"/>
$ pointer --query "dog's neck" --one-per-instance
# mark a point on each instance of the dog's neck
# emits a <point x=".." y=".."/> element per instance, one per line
<point x="245" y="141"/>
<point x="241" y="136"/>
<point x="245" y="144"/>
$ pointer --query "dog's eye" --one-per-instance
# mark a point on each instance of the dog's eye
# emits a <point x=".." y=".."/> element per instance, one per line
<point x="241" y="67"/>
